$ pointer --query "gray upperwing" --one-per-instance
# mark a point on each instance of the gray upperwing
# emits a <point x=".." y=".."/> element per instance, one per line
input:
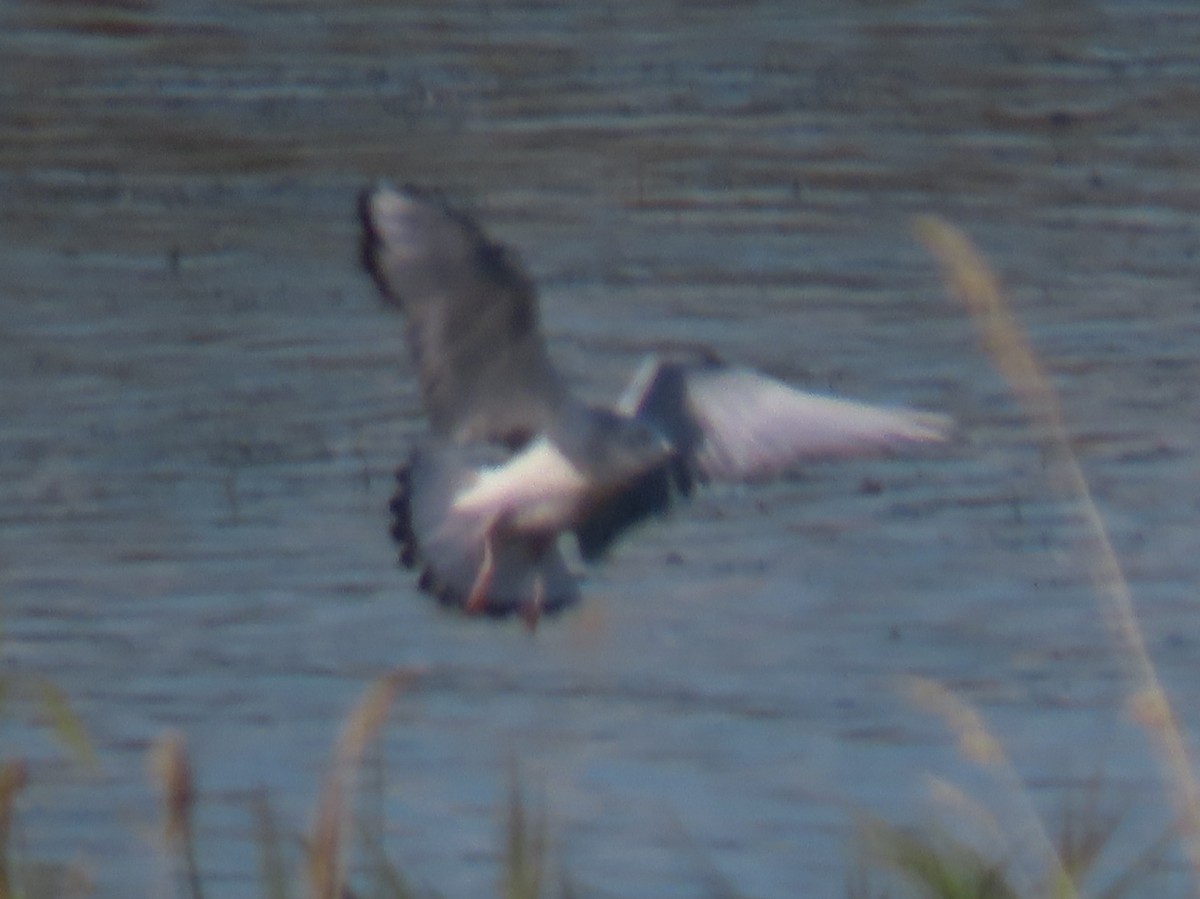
<point x="472" y="317"/>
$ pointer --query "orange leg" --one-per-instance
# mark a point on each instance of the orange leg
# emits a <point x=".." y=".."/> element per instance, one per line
<point x="532" y="610"/>
<point x="477" y="598"/>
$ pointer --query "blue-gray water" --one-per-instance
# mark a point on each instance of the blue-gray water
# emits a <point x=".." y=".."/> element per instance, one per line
<point x="203" y="402"/>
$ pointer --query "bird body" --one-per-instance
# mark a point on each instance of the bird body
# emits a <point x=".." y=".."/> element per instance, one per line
<point x="515" y="461"/>
<point x="539" y="491"/>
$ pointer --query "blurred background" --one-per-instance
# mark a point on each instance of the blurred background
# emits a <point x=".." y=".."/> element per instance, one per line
<point x="203" y="403"/>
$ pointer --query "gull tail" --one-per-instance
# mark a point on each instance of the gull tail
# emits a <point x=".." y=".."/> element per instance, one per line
<point x="447" y="544"/>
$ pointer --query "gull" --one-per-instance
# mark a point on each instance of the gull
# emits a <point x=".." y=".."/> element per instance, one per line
<point x="514" y="460"/>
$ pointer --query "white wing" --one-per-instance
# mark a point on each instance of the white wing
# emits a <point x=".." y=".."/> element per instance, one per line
<point x="737" y="424"/>
<point x="734" y="424"/>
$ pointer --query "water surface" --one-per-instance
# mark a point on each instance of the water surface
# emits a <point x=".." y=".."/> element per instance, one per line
<point x="204" y="402"/>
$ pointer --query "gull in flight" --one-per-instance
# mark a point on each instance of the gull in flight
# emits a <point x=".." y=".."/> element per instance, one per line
<point x="514" y="460"/>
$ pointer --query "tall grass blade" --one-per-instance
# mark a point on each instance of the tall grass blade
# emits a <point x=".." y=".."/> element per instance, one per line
<point x="271" y="866"/>
<point x="525" y="848"/>
<point x="362" y="725"/>
<point x="389" y="882"/>
<point x="969" y="279"/>
<point x="13" y="778"/>
<point x="170" y="767"/>
<point x="938" y="867"/>
<point x="979" y="744"/>
<point x="65" y="723"/>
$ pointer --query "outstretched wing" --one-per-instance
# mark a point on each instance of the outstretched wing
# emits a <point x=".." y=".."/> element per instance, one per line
<point x="734" y="424"/>
<point x="472" y="317"/>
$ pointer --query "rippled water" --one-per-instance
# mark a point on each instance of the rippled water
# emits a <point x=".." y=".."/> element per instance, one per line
<point x="203" y="402"/>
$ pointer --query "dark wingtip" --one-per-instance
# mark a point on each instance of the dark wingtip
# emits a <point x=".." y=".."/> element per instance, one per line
<point x="370" y="240"/>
